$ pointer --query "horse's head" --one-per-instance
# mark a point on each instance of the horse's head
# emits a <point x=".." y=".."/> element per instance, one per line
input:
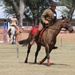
<point x="67" y="25"/>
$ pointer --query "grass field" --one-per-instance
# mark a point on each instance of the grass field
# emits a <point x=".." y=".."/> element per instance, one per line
<point x="62" y="59"/>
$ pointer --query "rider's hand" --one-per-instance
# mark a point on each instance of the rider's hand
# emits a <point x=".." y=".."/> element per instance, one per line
<point x="46" y="22"/>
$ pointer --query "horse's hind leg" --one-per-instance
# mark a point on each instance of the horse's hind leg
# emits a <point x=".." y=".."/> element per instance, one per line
<point x="14" y="39"/>
<point x="11" y="39"/>
<point x="28" y="51"/>
<point x="36" y="54"/>
<point x="47" y="56"/>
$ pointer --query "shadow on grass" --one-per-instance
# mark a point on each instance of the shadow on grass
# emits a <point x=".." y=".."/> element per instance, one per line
<point x="45" y="64"/>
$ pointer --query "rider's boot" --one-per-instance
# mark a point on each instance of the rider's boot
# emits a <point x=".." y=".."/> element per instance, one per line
<point x="55" y="47"/>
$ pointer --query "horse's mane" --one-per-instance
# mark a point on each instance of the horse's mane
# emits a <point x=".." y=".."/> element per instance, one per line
<point x="56" y="25"/>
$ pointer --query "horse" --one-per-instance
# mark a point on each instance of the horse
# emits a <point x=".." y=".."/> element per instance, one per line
<point x="12" y="32"/>
<point x="12" y="35"/>
<point x="47" y="39"/>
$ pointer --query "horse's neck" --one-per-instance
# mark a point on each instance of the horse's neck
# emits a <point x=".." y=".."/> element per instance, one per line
<point x="57" y="26"/>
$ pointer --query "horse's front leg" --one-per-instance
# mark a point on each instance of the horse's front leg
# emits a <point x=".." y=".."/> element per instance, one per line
<point x="47" y="55"/>
<point x="50" y="49"/>
<point x="14" y="39"/>
<point x="43" y="60"/>
<point x="36" y="54"/>
<point x="28" y="51"/>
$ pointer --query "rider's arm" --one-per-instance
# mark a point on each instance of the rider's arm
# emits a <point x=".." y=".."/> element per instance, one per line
<point x="47" y="15"/>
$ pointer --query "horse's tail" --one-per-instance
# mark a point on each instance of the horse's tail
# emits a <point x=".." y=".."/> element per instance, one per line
<point x="25" y="41"/>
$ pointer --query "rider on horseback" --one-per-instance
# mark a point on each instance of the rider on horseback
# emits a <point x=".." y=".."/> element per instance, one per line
<point x="48" y="17"/>
<point x="14" y="23"/>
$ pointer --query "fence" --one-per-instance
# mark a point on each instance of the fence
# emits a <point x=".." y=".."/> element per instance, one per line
<point x="63" y="36"/>
<point x="66" y="39"/>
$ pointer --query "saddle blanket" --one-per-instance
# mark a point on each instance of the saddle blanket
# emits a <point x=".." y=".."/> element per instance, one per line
<point x="34" y="30"/>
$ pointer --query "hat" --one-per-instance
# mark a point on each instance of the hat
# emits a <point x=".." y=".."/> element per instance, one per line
<point x="53" y="4"/>
<point x="14" y="15"/>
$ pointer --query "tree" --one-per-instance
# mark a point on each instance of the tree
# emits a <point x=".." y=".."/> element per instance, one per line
<point x="35" y="6"/>
<point x="22" y="5"/>
<point x="17" y="7"/>
<point x="70" y="4"/>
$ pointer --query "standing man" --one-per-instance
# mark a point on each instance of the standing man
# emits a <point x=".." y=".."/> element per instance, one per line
<point x="48" y="17"/>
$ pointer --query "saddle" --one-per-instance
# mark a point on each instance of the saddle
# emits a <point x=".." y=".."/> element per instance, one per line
<point x="34" y="30"/>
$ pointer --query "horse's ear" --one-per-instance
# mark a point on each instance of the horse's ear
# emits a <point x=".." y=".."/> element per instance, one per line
<point x="63" y="17"/>
<point x="63" y="20"/>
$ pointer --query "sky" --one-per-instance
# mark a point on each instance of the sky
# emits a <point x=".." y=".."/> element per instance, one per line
<point x="2" y="15"/>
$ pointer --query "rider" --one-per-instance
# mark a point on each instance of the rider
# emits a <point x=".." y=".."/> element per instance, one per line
<point x="14" y="23"/>
<point x="48" y="17"/>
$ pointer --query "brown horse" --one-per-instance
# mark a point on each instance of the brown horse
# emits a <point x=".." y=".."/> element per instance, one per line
<point x="48" y="40"/>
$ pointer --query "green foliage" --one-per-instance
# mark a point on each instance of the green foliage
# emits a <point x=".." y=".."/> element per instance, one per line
<point x="70" y="4"/>
<point x="34" y="6"/>
<point x="8" y="7"/>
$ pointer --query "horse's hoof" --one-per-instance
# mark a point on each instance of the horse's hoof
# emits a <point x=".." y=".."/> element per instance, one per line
<point x="25" y="62"/>
<point x="34" y="62"/>
<point x="40" y="62"/>
<point x="48" y="64"/>
<point x="12" y="43"/>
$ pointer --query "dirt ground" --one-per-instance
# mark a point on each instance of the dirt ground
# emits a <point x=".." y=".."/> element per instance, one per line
<point x="12" y="58"/>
